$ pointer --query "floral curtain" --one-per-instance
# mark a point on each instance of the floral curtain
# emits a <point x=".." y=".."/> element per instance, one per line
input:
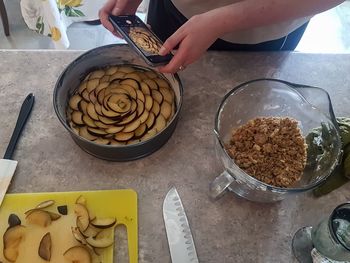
<point x="52" y="17"/>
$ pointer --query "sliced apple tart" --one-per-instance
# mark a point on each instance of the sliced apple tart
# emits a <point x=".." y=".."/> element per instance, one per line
<point x="121" y="105"/>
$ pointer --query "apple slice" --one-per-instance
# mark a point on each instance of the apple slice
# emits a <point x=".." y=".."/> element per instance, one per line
<point x="11" y="253"/>
<point x="146" y="90"/>
<point x="103" y="222"/>
<point x="126" y="69"/>
<point x="102" y="141"/>
<point x="83" y="218"/>
<point x="101" y="242"/>
<point x="88" y="121"/>
<point x="11" y="240"/>
<point x="165" y="110"/>
<point x="134" y="76"/>
<point x="151" y="83"/>
<point x="77" y="254"/>
<point x="81" y="200"/>
<point x="78" y="235"/>
<point x="92" y="84"/>
<point x="13" y="236"/>
<point x="132" y="126"/>
<point x="123" y="136"/>
<point x="161" y="82"/>
<point x="83" y="107"/>
<point x="82" y="87"/>
<point x="91" y="231"/>
<point x="77" y="118"/>
<point x="83" y="132"/>
<point x="160" y="123"/>
<point x="140" y="95"/>
<point x="97" y="74"/>
<point x="155" y="108"/>
<point x="92" y="112"/>
<point x="38" y="217"/>
<point x="111" y="70"/>
<point x="54" y="216"/>
<point x="131" y="82"/>
<point x="45" y="204"/>
<point x="167" y="94"/>
<point x="150" y="121"/>
<point x="148" y="102"/>
<point x="92" y="97"/>
<point x="131" y="91"/>
<point x="151" y="74"/>
<point x="85" y="95"/>
<point x="157" y="96"/>
<point x="140" y="131"/>
<point x="74" y="102"/>
<point x="114" y="129"/>
<point x="117" y="75"/>
<point x="45" y="247"/>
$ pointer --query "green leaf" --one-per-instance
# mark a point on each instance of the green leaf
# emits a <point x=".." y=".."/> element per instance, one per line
<point x="42" y="28"/>
<point x="40" y="25"/>
<point x="38" y="22"/>
<point x="75" y="13"/>
<point x="67" y="10"/>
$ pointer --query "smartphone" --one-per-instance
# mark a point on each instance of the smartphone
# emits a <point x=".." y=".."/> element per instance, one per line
<point x="141" y="38"/>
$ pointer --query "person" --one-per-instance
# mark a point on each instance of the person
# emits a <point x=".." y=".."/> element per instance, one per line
<point x="194" y="26"/>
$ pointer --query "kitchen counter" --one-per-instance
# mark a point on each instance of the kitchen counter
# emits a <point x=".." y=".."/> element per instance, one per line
<point x="227" y="230"/>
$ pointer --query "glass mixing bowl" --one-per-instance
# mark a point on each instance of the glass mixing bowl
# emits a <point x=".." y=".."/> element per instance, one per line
<point x="310" y="106"/>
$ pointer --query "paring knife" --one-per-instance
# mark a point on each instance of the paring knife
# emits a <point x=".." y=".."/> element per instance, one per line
<point x="181" y="245"/>
<point x="8" y="166"/>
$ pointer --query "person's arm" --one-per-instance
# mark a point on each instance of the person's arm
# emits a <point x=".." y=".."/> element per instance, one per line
<point x="200" y="31"/>
<point x="117" y="7"/>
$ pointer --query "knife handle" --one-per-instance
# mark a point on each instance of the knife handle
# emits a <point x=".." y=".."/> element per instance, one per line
<point x="21" y="121"/>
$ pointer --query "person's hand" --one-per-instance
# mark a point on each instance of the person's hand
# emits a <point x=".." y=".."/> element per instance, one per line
<point x="193" y="39"/>
<point x="117" y="7"/>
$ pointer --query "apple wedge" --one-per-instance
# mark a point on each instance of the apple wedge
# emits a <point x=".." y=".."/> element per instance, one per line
<point x="13" y="236"/>
<point x="77" y="254"/>
<point x="54" y="216"/>
<point x="38" y="217"/>
<point x="45" y="204"/>
<point x="83" y="218"/>
<point x="101" y="242"/>
<point x="91" y="231"/>
<point x="45" y="247"/>
<point x="11" y="253"/>
<point x="103" y="222"/>
<point x="11" y="239"/>
<point x="78" y="235"/>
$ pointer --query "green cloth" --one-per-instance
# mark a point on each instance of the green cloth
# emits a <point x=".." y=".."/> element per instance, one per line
<point x="341" y="175"/>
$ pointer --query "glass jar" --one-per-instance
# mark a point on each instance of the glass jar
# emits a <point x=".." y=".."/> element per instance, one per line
<point x="331" y="237"/>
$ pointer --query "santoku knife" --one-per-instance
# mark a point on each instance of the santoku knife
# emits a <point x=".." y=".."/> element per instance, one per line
<point x="8" y="166"/>
<point x="181" y="245"/>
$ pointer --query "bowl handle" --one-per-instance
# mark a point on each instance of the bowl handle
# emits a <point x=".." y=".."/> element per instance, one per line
<point x="218" y="187"/>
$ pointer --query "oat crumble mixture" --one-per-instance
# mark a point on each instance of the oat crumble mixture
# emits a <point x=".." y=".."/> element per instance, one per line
<point x="271" y="149"/>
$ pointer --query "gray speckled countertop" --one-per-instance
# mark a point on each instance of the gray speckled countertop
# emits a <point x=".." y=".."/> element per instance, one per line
<point x="228" y="230"/>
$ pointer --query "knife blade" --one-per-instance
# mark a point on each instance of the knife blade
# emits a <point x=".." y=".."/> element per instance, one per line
<point x="180" y="240"/>
<point x="7" y="165"/>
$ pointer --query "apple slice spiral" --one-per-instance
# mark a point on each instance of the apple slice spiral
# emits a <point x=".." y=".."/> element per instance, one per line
<point x="121" y="105"/>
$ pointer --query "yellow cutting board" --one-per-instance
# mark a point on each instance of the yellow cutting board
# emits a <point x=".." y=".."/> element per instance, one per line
<point x="121" y="204"/>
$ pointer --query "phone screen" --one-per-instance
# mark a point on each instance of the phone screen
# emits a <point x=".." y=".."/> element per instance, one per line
<point x="136" y="32"/>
